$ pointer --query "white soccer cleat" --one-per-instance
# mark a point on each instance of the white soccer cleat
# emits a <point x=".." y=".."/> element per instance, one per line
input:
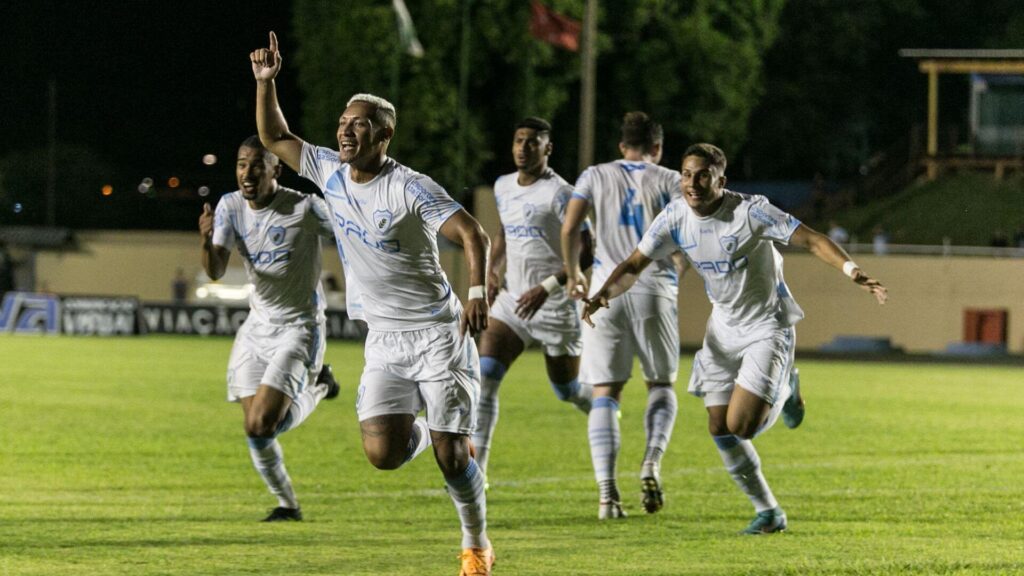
<point x="610" y="509"/>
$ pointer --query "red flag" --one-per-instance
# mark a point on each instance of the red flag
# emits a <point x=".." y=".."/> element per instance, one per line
<point x="556" y="29"/>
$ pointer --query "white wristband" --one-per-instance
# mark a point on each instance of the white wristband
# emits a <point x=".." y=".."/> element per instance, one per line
<point x="848" y="267"/>
<point x="476" y="292"/>
<point x="550" y="284"/>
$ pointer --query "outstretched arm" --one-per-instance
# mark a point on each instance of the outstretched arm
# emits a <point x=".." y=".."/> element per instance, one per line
<point x="464" y="230"/>
<point x="576" y="282"/>
<point x="620" y="280"/>
<point x="270" y="122"/>
<point x="215" y="258"/>
<point x="831" y="253"/>
<point x="495" y="264"/>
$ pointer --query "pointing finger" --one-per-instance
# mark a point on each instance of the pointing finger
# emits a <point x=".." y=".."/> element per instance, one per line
<point x="273" y="41"/>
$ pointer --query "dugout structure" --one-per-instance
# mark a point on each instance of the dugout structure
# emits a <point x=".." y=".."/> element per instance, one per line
<point x="996" y="138"/>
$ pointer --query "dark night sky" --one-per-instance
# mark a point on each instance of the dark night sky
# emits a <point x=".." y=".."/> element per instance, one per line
<point x="150" y="86"/>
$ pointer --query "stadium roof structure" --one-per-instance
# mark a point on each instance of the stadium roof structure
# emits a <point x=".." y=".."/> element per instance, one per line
<point x="957" y="61"/>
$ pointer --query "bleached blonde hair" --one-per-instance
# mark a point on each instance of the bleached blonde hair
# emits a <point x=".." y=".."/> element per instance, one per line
<point x="385" y="111"/>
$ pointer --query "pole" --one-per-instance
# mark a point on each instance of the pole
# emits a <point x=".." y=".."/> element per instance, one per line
<point x="463" y="106"/>
<point x="51" y="153"/>
<point x="587" y="82"/>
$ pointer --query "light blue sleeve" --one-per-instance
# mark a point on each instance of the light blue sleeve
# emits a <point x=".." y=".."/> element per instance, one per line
<point x="430" y="201"/>
<point x="769" y="222"/>
<point x="662" y="238"/>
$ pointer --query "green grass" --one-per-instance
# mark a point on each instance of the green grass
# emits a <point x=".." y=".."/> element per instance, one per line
<point x="120" y="456"/>
<point x="966" y="207"/>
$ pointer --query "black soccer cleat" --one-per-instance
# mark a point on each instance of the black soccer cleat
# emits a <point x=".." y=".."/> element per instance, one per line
<point x="326" y="378"/>
<point x="281" y="514"/>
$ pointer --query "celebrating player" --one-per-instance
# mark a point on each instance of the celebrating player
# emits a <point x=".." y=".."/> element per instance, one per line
<point x="419" y="353"/>
<point x="533" y="307"/>
<point x="279" y="350"/>
<point x="626" y="195"/>
<point x="743" y="368"/>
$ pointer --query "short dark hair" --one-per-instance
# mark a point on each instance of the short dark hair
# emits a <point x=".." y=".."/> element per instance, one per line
<point x="255" y="143"/>
<point x="534" y="123"/>
<point x="713" y="154"/>
<point x="639" y="131"/>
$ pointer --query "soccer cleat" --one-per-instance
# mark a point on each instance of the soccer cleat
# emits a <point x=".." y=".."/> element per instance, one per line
<point x="282" y="514"/>
<point x="609" y="509"/>
<point x="326" y="378"/>
<point x="767" y="522"/>
<point x="650" y="482"/>
<point x="476" y="561"/>
<point x="793" y="409"/>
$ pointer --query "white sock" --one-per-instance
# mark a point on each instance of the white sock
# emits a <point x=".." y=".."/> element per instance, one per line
<point x="603" y="431"/>
<point x="659" y="419"/>
<point x="467" y="492"/>
<point x="301" y="407"/>
<point x="420" y="439"/>
<point x="268" y="458"/>
<point x="491" y="373"/>
<point x="744" y="465"/>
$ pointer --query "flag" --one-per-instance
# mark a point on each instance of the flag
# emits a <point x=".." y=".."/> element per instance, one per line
<point x="556" y="29"/>
<point x="406" y="31"/>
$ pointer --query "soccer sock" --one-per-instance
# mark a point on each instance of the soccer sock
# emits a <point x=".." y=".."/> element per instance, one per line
<point x="301" y="407"/>
<point x="419" y="440"/>
<point x="744" y="465"/>
<point x="659" y="419"/>
<point x="575" y="392"/>
<point x="268" y="458"/>
<point x="603" y="430"/>
<point x="491" y="373"/>
<point x="467" y="492"/>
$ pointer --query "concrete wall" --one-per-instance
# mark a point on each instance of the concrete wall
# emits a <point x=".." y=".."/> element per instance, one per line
<point x="925" y="312"/>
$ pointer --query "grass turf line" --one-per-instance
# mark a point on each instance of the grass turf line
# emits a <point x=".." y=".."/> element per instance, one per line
<point x="120" y="456"/>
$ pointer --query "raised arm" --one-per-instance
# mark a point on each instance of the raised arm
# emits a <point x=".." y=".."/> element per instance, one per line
<point x="464" y="230"/>
<point x="576" y="282"/>
<point x="619" y="281"/>
<point x="270" y="122"/>
<point x="831" y="253"/>
<point x="215" y="258"/>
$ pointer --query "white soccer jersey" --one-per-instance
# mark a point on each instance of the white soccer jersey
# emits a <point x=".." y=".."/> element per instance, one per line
<point x="387" y="235"/>
<point x="281" y="247"/>
<point x="734" y="252"/>
<point x="626" y="197"/>
<point x="531" y="217"/>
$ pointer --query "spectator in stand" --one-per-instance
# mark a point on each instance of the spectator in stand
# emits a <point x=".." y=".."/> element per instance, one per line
<point x="837" y="233"/>
<point x="880" y="242"/>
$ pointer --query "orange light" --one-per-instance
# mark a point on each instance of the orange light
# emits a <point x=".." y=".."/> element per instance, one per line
<point x="108" y="189"/>
<point x="173" y="182"/>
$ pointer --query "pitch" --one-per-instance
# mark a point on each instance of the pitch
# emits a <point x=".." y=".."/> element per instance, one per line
<point x="120" y="456"/>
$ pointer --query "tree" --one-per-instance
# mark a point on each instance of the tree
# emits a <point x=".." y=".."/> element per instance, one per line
<point x="695" y="66"/>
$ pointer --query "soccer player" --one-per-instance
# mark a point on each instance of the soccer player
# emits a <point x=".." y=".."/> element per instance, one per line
<point x="275" y="366"/>
<point x="533" y="307"/>
<point x="626" y="196"/>
<point x="419" y="350"/>
<point x="742" y="370"/>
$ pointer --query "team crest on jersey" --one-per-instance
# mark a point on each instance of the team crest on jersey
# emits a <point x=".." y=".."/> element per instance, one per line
<point x="528" y="210"/>
<point x="729" y="243"/>
<point x="382" y="219"/>
<point x="276" y="235"/>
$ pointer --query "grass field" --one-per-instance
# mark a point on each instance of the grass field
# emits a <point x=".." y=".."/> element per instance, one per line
<point x="120" y="456"/>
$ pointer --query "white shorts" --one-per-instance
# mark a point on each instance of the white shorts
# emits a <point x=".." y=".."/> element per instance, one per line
<point x="641" y="324"/>
<point x="759" y="360"/>
<point x="433" y="368"/>
<point x="555" y="327"/>
<point x="286" y="358"/>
